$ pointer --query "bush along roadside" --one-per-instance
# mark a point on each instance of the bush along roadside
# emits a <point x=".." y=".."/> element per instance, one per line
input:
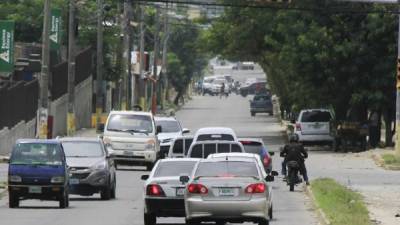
<point x="339" y="204"/>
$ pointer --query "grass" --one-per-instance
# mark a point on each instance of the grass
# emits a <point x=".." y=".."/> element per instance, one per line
<point x="341" y="205"/>
<point x="391" y="159"/>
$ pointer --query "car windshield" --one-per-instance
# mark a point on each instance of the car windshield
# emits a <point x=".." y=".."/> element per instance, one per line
<point x="169" y="126"/>
<point x="82" y="149"/>
<point x="130" y="123"/>
<point x="316" y="116"/>
<point x="227" y="168"/>
<point x="174" y="168"/>
<point x="37" y="154"/>
<point x="215" y="137"/>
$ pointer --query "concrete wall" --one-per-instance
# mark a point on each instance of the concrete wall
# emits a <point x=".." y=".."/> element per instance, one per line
<point x="83" y="108"/>
<point x="8" y="137"/>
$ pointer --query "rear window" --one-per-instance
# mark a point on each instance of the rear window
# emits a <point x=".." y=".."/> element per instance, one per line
<point x="215" y="137"/>
<point x="236" y="148"/>
<point x="178" y="147"/>
<point x="188" y="143"/>
<point x="262" y="98"/>
<point x="197" y="151"/>
<point x="175" y="168"/>
<point x="226" y="168"/>
<point x="224" y="148"/>
<point x="316" y="116"/>
<point x="209" y="149"/>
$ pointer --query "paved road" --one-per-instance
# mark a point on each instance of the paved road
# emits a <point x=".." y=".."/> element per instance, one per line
<point x="289" y="208"/>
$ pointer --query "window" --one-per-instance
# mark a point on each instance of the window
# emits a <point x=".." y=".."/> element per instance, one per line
<point x="178" y="146"/>
<point x="188" y="143"/>
<point x="236" y="148"/>
<point x="197" y="151"/>
<point x="224" y="148"/>
<point x="82" y="149"/>
<point x="209" y="149"/>
<point x="130" y="123"/>
<point x="169" y="126"/>
<point x="226" y="168"/>
<point x="37" y="154"/>
<point x="175" y="168"/>
<point x="316" y="116"/>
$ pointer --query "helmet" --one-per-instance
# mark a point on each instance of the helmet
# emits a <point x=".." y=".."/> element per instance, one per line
<point x="293" y="138"/>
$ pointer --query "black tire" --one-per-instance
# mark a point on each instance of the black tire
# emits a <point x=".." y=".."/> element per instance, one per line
<point x="64" y="200"/>
<point x="292" y="179"/>
<point x="105" y="193"/>
<point x="264" y="222"/>
<point x="150" y="219"/>
<point x="271" y="213"/>
<point x="114" y="187"/>
<point x="191" y="222"/>
<point x="149" y="166"/>
<point x="13" y="200"/>
<point x="253" y="113"/>
<point x="220" y="222"/>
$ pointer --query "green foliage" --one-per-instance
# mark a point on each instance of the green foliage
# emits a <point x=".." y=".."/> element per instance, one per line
<point x="391" y="159"/>
<point x="316" y="59"/>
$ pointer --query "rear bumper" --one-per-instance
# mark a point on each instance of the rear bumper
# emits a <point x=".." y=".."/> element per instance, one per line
<point x="239" y="211"/>
<point x="173" y="207"/>
<point x="262" y="110"/>
<point x="310" y="138"/>
<point x="48" y="192"/>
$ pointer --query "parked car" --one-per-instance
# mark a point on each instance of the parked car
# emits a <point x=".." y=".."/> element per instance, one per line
<point x="256" y="87"/>
<point x="131" y="138"/>
<point x="261" y="103"/>
<point x="228" y="190"/>
<point x="215" y="134"/>
<point x="91" y="168"/>
<point x="164" y="192"/>
<point x="256" y="146"/>
<point x="38" y="170"/>
<point x="180" y="147"/>
<point x="313" y="127"/>
<point x="171" y="129"/>
<point x="202" y="149"/>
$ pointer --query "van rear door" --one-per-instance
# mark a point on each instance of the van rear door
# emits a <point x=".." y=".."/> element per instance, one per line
<point x="315" y="122"/>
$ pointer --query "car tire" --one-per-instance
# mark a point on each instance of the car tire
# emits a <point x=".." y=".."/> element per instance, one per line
<point x="149" y="166"/>
<point x="114" y="187"/>
<point x="191" y="222"/>
<point x="150" y="219"/>
<point x="13" y="200"/>
<point x="64" y="200"/>
<point x="263" y="222"/>
<point x="105" y="193"/>
<point x="253" y="114"/>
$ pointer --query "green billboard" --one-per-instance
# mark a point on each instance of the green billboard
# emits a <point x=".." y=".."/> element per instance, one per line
<point x="6" y="47"/>
<point x="55" y="30"/>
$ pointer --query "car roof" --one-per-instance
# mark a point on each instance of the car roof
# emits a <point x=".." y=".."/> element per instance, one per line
<point x="236" y="159"/>
<point x="259" y="140"/>
<point x="216" y="142"/>
<point x="215" y="130"/>
<point x="131" y="113"/>
<point x="38" y="141"/>
<point x="234" y="154"/>
<point x="183" y="137"/>
<point x="180" y="160"/>
<point x="79" y="139"/>
<point x="164" y="118"/>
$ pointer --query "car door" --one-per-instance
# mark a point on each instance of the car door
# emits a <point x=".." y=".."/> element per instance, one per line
<point x="315" y="122"/>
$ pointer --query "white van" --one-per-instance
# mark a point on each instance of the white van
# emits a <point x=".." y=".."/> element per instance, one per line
<point x="131" y="138"/>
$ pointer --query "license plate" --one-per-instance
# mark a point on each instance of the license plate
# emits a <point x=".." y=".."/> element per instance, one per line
<point x="35" y="190"/>
<point x="180" y="191"/>
<point x="226" y="192"/>
<point x="73" y="181"/>
<point x="129" y="153"/>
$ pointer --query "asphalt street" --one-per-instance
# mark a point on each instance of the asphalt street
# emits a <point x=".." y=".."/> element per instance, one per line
<point x="289" y="208"/>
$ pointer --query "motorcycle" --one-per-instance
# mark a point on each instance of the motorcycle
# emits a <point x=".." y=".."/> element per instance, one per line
<point x="293" y="174"/>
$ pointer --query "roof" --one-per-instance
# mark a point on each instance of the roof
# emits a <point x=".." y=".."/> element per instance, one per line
<point x="216" y="142"/>
<point x="131" y="113"/>
<point x="236" y="159"/>
<point x="80" y="139"/>
<point x="179" y="160"/>
<point x="38" y="141"/>
<point x="234" y="154"/>
<point x="215" y="130"/>
<point x="251" y="139"/>
<point x="184" y="137"/>
<point x="164" y="118"/>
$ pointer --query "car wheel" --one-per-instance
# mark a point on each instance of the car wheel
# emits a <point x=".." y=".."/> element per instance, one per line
<point x="150" y="219"/>
<point x="264" y="222"/>
<point x="191" y="222"/>
<point x="64" y="200"/>
<point x="105" y="193"/>
<point x="114" y="187"/>
<point x="13" y="200"/>
<point x="149" y="166"/>
<point x="253" y="114"/>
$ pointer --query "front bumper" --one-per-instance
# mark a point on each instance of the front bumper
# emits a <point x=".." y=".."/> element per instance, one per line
<point x="88" y="182"/>
<point x="47" y="192"/>
<point x="165" y="207"/>
<point x="134" y="157"/>
<point x="255" y="209"/>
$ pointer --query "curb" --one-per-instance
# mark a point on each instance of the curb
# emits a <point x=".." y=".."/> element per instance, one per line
<point x="321" y="215"/>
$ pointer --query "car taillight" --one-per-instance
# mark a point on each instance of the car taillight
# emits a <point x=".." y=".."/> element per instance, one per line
<point x="155" y="190"/>
<point x="267" y="160"/>
<point x="197" y="189"/>
<point x="255" y="188"/>
<point x="298" y="127"/>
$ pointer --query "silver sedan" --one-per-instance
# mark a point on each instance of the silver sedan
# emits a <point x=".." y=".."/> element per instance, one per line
<point x="228" y="190"/>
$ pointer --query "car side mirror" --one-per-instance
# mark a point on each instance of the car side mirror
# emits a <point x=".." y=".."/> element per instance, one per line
<point x="274" y="173"/>
<point x="159" y="129"/>
<point x="185" y="131"/>
<point x="271" y="153"/>
<point x="184" y="179"/>
<point x="145" y="177"/>
<point x="269" y="178"/>
<point x="100" y="128"/>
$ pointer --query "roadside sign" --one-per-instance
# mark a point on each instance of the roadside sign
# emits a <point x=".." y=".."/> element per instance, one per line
<point x="6" y="46"/>
<point x="55" y="31"/>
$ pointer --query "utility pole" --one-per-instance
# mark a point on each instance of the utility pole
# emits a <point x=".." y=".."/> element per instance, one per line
<point x="126" y="54"/>
<point x="71" y="70"/>
<point x="155" y="67"/>
<point x="142" y="83"/>
<point x="99" y="64"/>
<point x="44" y="75"/>
<point x="164" y="89"/>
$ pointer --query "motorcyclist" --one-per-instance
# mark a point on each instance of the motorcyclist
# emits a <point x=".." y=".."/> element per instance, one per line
<point x="294" y="151"/>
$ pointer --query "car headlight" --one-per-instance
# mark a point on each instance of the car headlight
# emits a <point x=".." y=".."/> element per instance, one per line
<point x="57" y="180"/>
<point x="150" y="144"/>
<point x="16" y="179"/>
<point x="99" y="166"/>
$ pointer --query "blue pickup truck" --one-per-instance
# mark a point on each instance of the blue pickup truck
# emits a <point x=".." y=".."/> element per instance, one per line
<point x="261" y="103"/>
<point x="38" y="170"/>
